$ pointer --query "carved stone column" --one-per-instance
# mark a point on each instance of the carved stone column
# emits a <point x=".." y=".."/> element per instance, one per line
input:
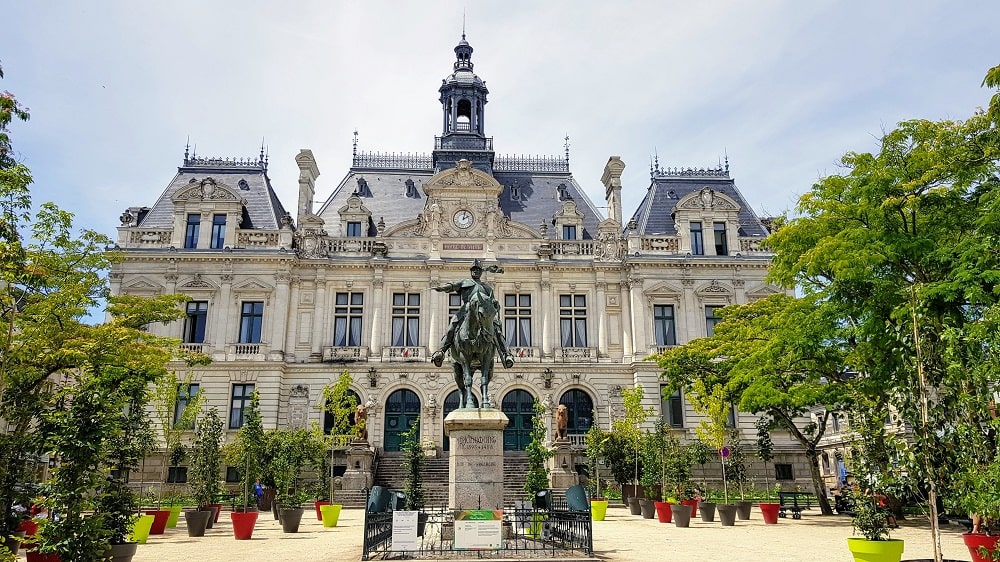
<point x="377" y="314"/>
<point x="319" y="316"/>
<point x="293" y="319"/>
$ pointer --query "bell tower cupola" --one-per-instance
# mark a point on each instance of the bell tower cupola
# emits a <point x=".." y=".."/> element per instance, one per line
<point x="463" y="101"/>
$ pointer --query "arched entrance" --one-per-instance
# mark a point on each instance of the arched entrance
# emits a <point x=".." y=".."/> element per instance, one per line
<point x="518" y="407"/>
<point x="402" y="409"/>
<point x="580" y="408"/>
<point x="328" y="417"/>
<point x="450" y="405"/>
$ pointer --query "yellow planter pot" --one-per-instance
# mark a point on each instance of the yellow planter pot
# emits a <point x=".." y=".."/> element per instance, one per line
<point x="598" y="509"/>
<point x="331" y="513"/>
<point x="140" y="531"/>
<point x="865" y="550"/>
<point x="175" y="514"/>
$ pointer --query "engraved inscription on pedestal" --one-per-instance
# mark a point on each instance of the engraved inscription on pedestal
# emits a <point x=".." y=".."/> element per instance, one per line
<point x="476" y="458"/>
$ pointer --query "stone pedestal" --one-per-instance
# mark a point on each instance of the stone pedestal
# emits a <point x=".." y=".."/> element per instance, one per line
<point x="476" y="458"/>
<point x="359" y="466"/>
<point x="562" y="473"/>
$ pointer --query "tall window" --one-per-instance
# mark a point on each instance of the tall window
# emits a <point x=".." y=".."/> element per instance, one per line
<point x="240" y="402"/>
<point x="573" y="320"/>
<point x="721" y="247"/>
<point x="251" y="320"/>
<point x="454" y="304"/>
<point x="348" y="312"/>
<point x="672" y="408"/>
<point x="185" y="393"/>
<point x="354" y="229"/>
<point x="569" y="232"/>
<point x="663" y="324"/>
<point x="218" y="231"/>
<point x="194" y="324"/>
<point x="517" y="320"/>
<point x="405" y="319"/>
<point x="697" y="242"/>
<point x="711" y="319"/>
<point x="191" y="232"/>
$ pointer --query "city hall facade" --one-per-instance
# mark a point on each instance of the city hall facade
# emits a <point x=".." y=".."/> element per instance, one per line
<point x="285" y="299"/>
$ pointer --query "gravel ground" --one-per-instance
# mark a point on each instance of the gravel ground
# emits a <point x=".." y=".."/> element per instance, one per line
<point x="621" y="537"/>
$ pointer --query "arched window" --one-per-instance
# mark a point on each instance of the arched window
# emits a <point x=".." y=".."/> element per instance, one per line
<point x="518" y="406"/>
<point x="580" y="409"/>
<point x="463" y="115"/>
<point x="450" y="405"/>
<point x="402" y="409"/>
<point x="328" y="417"/>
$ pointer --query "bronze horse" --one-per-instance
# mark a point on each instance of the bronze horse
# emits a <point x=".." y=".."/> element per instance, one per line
<point x="475" y="348"/>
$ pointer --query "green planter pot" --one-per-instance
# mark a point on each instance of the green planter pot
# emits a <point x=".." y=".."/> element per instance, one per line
<point x="865" y="550"/>
<point x="598" y="509"/>
<point x="537" y="523"/>
<point x="175" y="515"/>
<point x="140" y="531"/>
<point x="331" y="514"/>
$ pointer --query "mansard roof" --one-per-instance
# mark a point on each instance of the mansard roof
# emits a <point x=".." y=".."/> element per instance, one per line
<point x="654" y="216"/>
<point x="247" y="177"/>
<point x="385" y="192"/>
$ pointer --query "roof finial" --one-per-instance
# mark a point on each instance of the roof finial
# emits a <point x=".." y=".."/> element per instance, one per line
<point x="656" y="157"/>
<point x="261" y="150"/>
<point x="566" y="145"/>
<point x="187" y="146"/>
<point x="355" y="153"/>
<point x="463" y="24"/>
<point x="726" y="152"/>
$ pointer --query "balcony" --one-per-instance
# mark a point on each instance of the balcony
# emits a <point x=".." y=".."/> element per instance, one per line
<point x="660" y="244"/>
<point x="196" y="347"/>
<point x="145" y="237"/>
<point x="257" y="239"/>
<point x="408" y="353"/>
<point x="576" y="354"/>
<point x="572" y="248"/>
<point x="658" y="349"/>
<point x="525" y="354"/>
<point x="247" y="351"/>
<point x="577" y="441"/>
<point x="344" y="354"/>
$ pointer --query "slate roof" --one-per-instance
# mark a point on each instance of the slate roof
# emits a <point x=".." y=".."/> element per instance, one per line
<point x="667" y="188"/>
<point x="387" y="197"/>
<point x="263" y="210"/>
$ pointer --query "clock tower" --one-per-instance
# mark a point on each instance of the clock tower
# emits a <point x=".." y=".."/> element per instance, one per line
<point x="463" y="105"/>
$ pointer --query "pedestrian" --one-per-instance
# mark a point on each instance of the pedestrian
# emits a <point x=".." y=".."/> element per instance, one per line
<point x="258" y="492"/>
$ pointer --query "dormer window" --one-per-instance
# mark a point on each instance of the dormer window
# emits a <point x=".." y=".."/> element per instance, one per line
<point x="561" y="192"/>
<point x="218" y="232"/>
<point x="721" y="246"/>
<point x="697" y="242"/>
<point x="411" y="189"/>
<point x="515" y="192"/>
<point x="569" y="232"/>
<point x="192" y="230"/>
<point x="363" y="190"/>
<point x="353" y="229"/>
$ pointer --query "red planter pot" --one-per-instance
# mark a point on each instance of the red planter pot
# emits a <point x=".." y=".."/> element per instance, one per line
<point x="975" y="540"/>
<point x="693" y="504"/>
<point x="35" y="556"/>
<point x="663" y="512"/>
<point x="160" y="517"/>
<point x="319" y="514"/>
<point x="243" y="523"/>
<point x="218" y="510"/>
<point x="770" y="512"/>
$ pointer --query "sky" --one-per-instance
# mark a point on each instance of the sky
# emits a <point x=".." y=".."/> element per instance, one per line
<point x="784" y="88"/>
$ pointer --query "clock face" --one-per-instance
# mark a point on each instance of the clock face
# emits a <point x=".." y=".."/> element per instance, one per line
<point x="464" y="219"/>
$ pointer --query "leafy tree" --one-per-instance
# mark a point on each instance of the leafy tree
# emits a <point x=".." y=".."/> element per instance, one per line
<point x="288" y="451"/>
<point x="341" y="405"/>
<point x="206" y="458"/>
<point x="413" y="461"/>
<point x="765" y="448"/>
<point x="780" y="356"/>
<point x="736" y="471"/>
<point x="167" y="394"/>
<point x="537" y="478"/>
<point x="714" y="406"/>
<point x="247" y="451"/>
<point x="625" y="443"/>
<point x="596" y="439"/>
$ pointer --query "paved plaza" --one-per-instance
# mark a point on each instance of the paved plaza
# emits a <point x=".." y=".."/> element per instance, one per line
<point x="621" y="537"/>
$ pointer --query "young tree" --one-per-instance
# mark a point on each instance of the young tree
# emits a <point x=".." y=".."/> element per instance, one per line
<point x="206" y="458"/>
<point x="413" y="461"/>
<point x="175" y="423"/>
<point x="537" y="478"/>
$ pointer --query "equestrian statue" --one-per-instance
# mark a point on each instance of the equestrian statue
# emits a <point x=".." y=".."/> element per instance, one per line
<point x="474" y="336"/>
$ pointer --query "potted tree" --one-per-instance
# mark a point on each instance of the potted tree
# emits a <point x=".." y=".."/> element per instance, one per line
<point x="292" y="450"/>
<point x="651" y="473"/>
<point x="870" y="521"/>
<point x="976" y="493"/>
<point x="596" y="439"/>
<point x="627" y="442"/>
<point x="248" y="451"/>
<point x="176" y="408"/>
<point x="203" y="476"/>
<point x="715" y="406"/>
<point x="537" y="478"/>
<point x="765" y="452"/>
<point x="736" y="473"/>
<point x="341" y="405"/>
<point x="414" y="461"/>
<point x="679" y="460"/>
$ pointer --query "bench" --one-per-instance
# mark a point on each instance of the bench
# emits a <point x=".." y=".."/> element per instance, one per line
<point x="795" y="502"/>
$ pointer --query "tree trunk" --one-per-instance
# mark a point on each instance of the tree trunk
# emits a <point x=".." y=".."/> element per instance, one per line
<point x="819" y="487"/>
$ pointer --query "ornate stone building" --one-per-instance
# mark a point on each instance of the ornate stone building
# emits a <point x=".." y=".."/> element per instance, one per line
<point x="284" y="302"/>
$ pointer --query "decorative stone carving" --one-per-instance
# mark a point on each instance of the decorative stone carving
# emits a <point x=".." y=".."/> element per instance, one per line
<point x="298" y="406"/>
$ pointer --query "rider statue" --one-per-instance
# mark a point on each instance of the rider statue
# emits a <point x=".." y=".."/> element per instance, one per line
<point x="466" y="288"/>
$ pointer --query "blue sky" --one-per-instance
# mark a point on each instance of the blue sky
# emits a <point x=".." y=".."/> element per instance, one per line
<point x="784" y="87"/>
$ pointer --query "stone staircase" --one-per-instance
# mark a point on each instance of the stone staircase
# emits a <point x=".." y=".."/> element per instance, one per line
<point x="391" y="474"/>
